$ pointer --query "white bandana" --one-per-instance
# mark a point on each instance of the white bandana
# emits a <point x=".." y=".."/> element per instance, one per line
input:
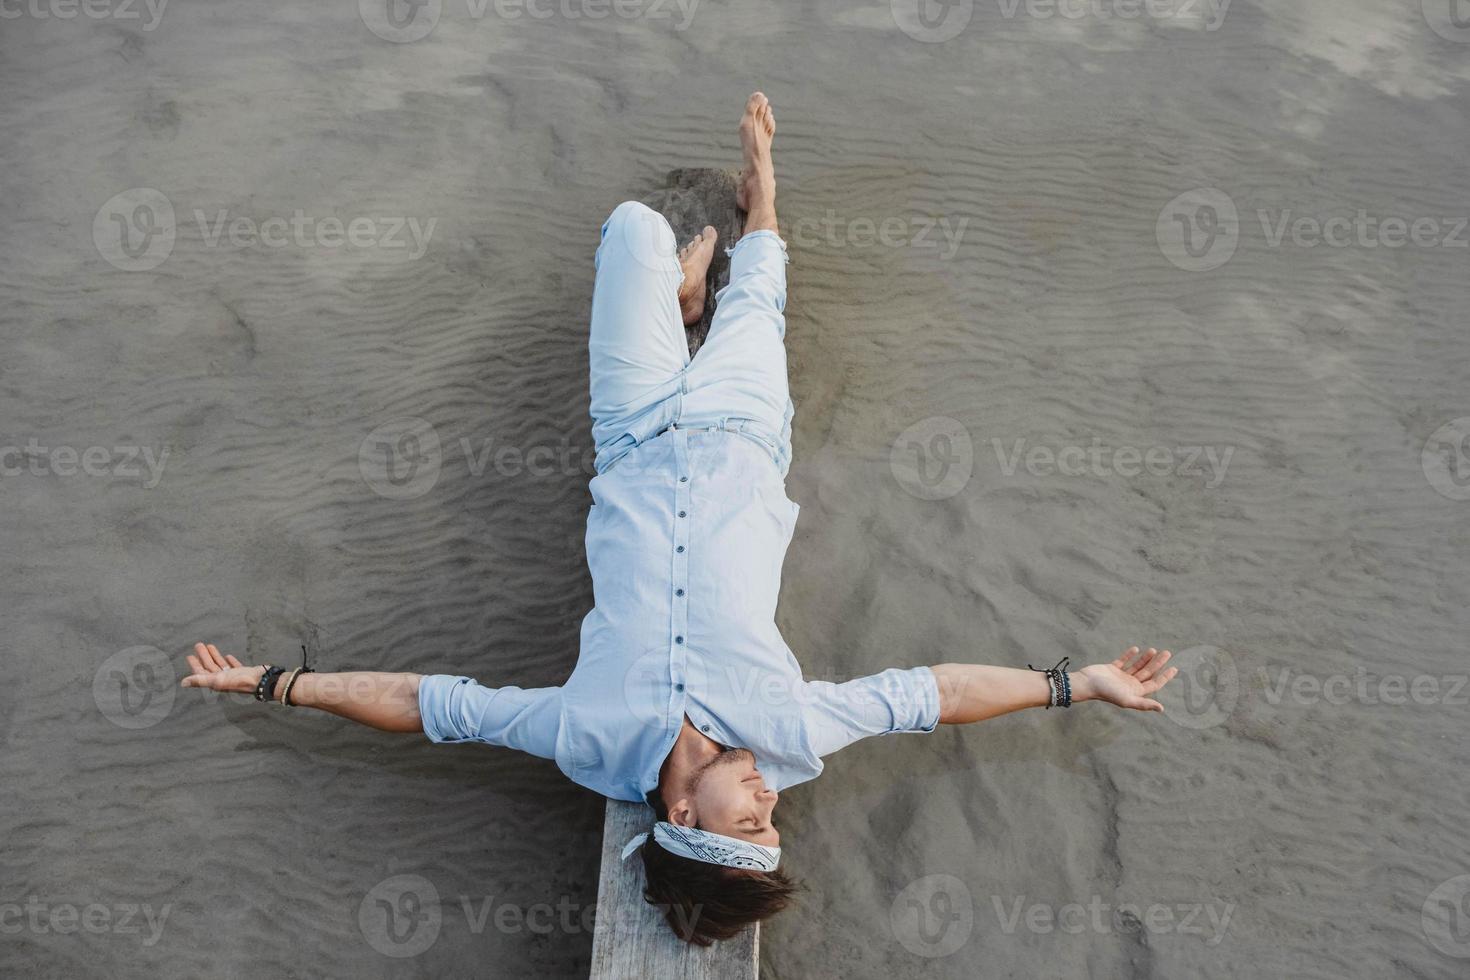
<point x="701" y="845"/>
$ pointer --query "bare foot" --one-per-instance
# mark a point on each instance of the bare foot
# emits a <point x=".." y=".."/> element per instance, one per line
<point x="694" y="259"/>
<point x="756" y="194"/>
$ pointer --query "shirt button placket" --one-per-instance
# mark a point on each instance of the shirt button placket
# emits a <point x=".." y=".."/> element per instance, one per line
<point x="679" y="621"/>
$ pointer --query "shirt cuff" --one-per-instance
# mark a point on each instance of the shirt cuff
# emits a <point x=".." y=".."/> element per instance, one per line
<point x="755" y="236"/>
<point x="441" y="707"/>
<point x="923" y="689"/>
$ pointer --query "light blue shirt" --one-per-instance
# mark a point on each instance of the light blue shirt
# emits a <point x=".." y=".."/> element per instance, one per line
<point x="685" y="541"/>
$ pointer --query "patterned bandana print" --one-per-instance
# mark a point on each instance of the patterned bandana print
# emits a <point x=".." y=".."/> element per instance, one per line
<point x="701" y="845"/>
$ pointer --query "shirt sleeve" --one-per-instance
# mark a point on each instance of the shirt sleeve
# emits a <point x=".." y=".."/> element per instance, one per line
<point x="895" y="700"/>
<point x="458" y="709"/>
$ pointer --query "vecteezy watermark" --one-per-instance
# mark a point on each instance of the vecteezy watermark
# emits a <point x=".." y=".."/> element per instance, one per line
<point x="1445" y="917"/>
<point x="934" y="458"/>
<point x="1445" y="459"/>
<point x="648" y="677"/>
<point x="1200" y="230"/>
<point x="136" y="231"/>
<point x="1301" y="688"/>
<point x="1363" y="230"/>
<point x="63" y="918"/>
<point x="111" y="462"/>
<point x="1209" y="14"/>
<point x="126" y="11"/>
<point x="934" y="916"/>
<point x="402" y="916"/>
<point x="1206" y="690"/>
<point x="934" y="21"/>
<point x="891" y="232"/>
<point x="403" y="458"/>
<point x="135" y="688"/>
<point x="406" y="21"/>
<point x="1450" y="19"/>
<point x="1098" y="460"/>
<point x="1100" y="917"/>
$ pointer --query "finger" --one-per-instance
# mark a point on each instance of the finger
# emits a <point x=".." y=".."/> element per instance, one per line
<point x="1142" y="662"/>
<point x="1160" y="680"/>
<point x="214" y="655"/>
<point x="191" y="681"/>
<point x="195" y="665"/>
<point x="206" y="662"/>
<point x="1147" y="704"/>
<point x="1155" y="665"/>
<point x="1127" y="655"/>
<point x="233" y="660"/>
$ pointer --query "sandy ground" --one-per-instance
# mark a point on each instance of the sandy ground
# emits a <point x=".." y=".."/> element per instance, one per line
<point x="1046" y="407"/>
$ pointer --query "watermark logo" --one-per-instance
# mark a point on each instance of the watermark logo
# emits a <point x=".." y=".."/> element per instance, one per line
<point x="1206" y="690"/>
<point x="647" y="236"/>
<point x="1210" y="14"/>
<point x="111" y="462"/>
<point x="126" y="11"/>
<point x="1199" y="230"/>
<point x="134" y="231"/>
<point x="401" y="458"/>
<point x="893" y="231"/>
<point x="934" y="916"/>
<point x="1446" y="459"/>
<point x="135" y="688"/>
<point x="1364" y="688"/>
<point x="400" y="917"/>
<point x="400" y="21"/>
<point x="1205" y="463"/>
<point x="63" y="918"/>
<point x="934" y="458"/>
<point x="405" y="21"/>
<point x="1103" y="918"/>
<point x="1450" y="19"/>
<point x="1445" y="917"/>
<point x="932" y="21"/>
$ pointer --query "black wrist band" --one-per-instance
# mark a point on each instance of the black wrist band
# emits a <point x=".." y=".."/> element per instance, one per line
<point x="266" y="689"/>
<point x="1058" y="682"/>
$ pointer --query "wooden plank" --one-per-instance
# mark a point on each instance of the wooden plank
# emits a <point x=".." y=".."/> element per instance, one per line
<point x="631" y="939"/>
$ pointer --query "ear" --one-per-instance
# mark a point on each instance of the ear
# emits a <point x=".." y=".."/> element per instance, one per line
<point x="681" y="814"/>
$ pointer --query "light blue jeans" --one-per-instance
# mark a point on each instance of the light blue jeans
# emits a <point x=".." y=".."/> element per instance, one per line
<point x="643" y="379"/>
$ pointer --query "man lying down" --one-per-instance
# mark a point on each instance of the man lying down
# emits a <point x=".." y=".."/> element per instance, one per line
<point x="684" y="694"/>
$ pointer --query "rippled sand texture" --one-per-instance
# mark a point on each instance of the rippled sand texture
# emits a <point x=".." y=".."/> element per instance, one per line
<point x="1046" y="313"/>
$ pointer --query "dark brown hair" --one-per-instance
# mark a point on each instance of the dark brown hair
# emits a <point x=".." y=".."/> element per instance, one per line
<point x="706" y="902"/>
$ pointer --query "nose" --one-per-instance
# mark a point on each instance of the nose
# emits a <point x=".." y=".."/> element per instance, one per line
<point x="769" y="795"/>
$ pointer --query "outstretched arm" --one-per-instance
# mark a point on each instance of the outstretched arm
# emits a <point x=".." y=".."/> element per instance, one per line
<point x="387" y="702"/>
<point x="975" y="692"/>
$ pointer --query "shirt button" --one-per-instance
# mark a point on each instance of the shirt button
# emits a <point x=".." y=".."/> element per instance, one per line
<point x="678" y="687"/>
<point x="682" y="514"/>
<point x="678" y="639"/>
<point x="678" y="592"/>
<point x="704" y="728"/>
<point x="683" y="479"/>
<point x="680" y="549"/>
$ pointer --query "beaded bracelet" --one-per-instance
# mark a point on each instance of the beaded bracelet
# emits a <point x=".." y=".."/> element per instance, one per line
<point x="266" y="689"/>
<point x="1059" y="685"/>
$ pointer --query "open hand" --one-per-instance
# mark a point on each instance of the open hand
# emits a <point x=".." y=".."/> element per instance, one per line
<point x="220" y="673"/>
<point x="1127" y="681"/>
